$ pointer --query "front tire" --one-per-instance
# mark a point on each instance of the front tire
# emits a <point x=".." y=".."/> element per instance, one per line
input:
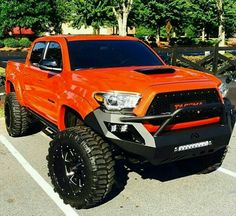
<point x="81" y="167"/>
<point x="16" y="116"/>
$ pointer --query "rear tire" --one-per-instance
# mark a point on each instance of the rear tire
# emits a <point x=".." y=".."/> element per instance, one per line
<point x="16" y="116"/>
<point x="81" y="167"/>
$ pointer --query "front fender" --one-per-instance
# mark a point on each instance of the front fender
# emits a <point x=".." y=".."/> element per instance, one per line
<point x="75" y="102"/>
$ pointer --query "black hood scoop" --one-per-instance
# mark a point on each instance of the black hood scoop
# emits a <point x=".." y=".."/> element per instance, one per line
<point x="149" y="71"/>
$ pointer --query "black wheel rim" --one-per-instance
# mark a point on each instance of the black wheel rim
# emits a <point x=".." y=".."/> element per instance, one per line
<point x="69" y="171"/>
<point x="7" y="115"/>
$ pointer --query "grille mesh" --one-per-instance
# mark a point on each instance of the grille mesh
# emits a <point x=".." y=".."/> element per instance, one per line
<point x="164" y="103"/>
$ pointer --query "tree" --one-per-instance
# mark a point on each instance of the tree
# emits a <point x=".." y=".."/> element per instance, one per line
<point x="179" y="13"/>
<point x="153" y="15"/>
<point x="93" y="13"/>
<point x="156" y="14"/>
<point x="38" y="15"/>
<point x="230" y="21"/>
<point x="121" y="10"/>
<point x="203" y="16"/>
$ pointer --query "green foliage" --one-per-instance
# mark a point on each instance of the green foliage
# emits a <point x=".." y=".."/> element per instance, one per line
<point x="93" y="13"/>
<point x="1" y="44"/>
<point x="178" y="12"/>
<point x="204" y="15"/>
<point x="24" y="42"/>
<point x="187" y="41"/>
<point x="211" y="42"/>
<point x="142" y="31"/>
<point x="11" y="42"/>
<point x="153" y="13"/>
<point x="230" y="17"/>
<point x="190" y="31"/>
<point x="182" y="41"/>
<point x="45" y="15"/>
<point x="188" y="17"/>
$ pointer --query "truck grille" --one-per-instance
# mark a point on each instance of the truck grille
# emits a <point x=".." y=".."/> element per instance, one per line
<point x="168" y="102"/>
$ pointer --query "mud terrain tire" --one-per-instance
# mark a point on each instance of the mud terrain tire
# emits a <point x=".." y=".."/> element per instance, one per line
<point x="81" y="167"/>
<point x="16" y="116"/>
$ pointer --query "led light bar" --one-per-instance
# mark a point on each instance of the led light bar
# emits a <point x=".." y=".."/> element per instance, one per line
<point x="192" y="146"/>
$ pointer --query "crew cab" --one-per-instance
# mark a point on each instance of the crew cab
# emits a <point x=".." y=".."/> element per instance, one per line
<point x="96" y="95"/>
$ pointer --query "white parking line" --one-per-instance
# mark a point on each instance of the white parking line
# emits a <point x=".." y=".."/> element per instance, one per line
<point x="227" y="172"/>
<point x="45" y="136"/>
<point x="68" y="211"/>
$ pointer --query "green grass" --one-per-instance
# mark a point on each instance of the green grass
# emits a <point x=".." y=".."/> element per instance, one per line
<point x="2" y="71"/>
<point x="1" y="110"/>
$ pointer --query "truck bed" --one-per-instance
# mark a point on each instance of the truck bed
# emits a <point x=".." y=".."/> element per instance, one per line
<point x="11" y="56"/>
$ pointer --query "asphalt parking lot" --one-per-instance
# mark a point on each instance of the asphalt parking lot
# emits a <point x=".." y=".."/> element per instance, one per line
<point x="25" y="188"/>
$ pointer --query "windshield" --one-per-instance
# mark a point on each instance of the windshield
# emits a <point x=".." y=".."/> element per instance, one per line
<point x="110" y="53"/>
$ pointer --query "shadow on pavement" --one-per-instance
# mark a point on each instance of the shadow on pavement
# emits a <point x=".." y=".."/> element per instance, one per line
<point x="166" y="172"/>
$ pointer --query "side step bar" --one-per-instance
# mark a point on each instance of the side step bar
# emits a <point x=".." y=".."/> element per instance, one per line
<point x="51" y="129"/>
<point x="49" y="132"/>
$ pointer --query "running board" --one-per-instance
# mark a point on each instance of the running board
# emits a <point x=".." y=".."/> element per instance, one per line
<point x="49" y="132"/>
<point x="51" y="129"/>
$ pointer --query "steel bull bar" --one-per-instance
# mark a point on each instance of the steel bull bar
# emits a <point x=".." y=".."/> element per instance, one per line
<point x="169" y="117"/>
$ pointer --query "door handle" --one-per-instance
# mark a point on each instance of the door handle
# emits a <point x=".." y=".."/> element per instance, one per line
<point x="51" y="101"/>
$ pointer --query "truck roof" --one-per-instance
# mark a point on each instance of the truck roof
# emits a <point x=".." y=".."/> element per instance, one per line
<point x="88" y="37"/>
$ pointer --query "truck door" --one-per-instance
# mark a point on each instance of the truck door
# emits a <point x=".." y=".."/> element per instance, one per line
<point x="46" y="83"/>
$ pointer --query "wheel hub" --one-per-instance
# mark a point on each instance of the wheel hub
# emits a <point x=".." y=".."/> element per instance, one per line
<point x="70" y="168"/>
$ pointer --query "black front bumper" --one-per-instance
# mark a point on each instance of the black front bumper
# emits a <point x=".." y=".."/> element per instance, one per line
<point x="162" y="147"/>
<point x="167" y="143"/>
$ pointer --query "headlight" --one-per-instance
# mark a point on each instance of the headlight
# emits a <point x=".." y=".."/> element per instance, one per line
<point x="223" y="90"/>
<point x="118" y="100"/>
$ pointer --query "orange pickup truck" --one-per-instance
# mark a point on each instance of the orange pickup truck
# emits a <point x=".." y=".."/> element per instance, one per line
<point x="109" y="98"/>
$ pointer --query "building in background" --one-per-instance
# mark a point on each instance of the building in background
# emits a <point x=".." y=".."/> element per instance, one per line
<point x="67" y="29"/>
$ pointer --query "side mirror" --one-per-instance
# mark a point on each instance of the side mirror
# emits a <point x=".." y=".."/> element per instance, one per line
<point x="50" y="65"/>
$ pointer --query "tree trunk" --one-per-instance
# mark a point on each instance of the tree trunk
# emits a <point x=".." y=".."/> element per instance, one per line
<point x="121" y="12"/>
<point x="120" y="25"/>
<point x="96" y="30"/>
<point x="124" y="24"/>
<point x="220" y="8"/>
<point x="203" y="34"/>
<point x="222" y="35"/>
<point x="158" y="36"/>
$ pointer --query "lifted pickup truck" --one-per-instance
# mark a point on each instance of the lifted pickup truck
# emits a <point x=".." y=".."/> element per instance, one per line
<point x="103" y="96"/>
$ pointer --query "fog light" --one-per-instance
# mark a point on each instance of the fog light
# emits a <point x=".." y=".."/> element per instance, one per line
<point x="113" y="128"/>
<point x="124" y="128"/>
<point x="117" y="128"/>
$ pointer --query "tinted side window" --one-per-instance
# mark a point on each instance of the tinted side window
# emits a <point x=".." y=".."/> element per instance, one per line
<point x="54" y="52"/>
<point x="37" y="53"/>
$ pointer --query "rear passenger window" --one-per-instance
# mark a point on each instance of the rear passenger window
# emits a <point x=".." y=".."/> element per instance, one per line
<point x="37" y="53"/>
<point x="54" y="52"/>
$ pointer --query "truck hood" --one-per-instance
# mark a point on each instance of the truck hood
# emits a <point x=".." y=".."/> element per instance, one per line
<point x="138" y="79"/>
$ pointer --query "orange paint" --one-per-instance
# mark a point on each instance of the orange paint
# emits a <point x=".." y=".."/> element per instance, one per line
<point x="76" y="89"/>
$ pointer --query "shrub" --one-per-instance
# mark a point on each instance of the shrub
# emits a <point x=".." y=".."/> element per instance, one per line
<point x="11" y="42"/>
<point x="210" y="42"/>
<point x="24" y="42"/>
<point x="182" y="41"/>
<point x="143" y="31"/>
<point x="1" y="44"/>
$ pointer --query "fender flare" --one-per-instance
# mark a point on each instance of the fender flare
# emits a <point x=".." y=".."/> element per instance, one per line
<point x="75" y="102"/>
<point x="17" y="89"/>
